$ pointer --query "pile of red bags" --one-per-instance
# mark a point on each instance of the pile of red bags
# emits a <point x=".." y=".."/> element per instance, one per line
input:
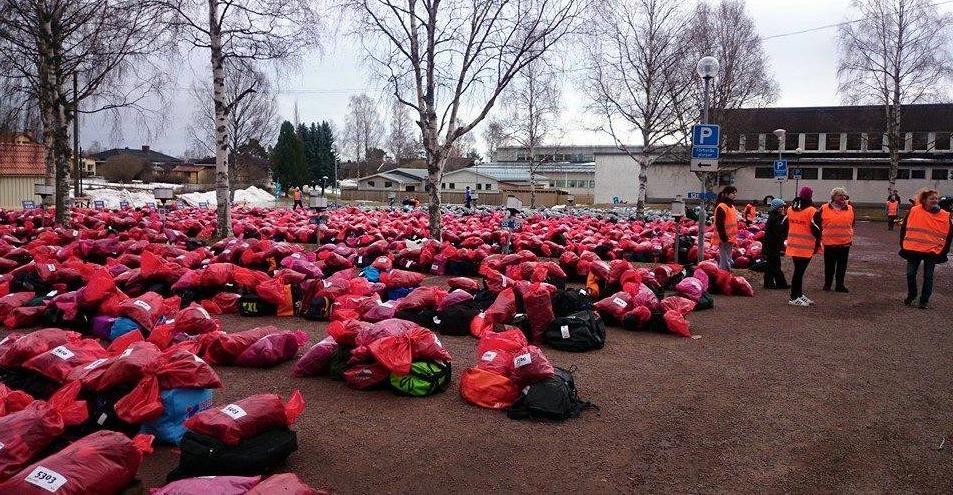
<point x="258" y="348"/>
<point x="506" y="363"/>
<point x="286" y="484"/>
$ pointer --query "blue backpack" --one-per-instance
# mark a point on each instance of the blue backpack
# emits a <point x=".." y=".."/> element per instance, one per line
<point x="180" y="404"/>
<point x="121" y="327"/>
<point x="395" y="294"/>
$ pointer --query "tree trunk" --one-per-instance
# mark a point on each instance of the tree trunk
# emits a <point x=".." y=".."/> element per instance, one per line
<point x="895" y="143"/>
<point x="434" y="167"/>
<point x="643" y="183"/>
<point x="224" y="228"/>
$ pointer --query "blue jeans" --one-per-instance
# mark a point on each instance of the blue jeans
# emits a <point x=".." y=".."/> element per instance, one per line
<point x="724" y="256"/>
<point x="912" y="267"/>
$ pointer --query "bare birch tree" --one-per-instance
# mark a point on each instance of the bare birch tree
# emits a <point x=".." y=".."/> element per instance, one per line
<point x="240" y="32"/>
<point x="897" y="53"/>
<point x="253" y="118"/>
<point x="494" y="135"/>
<point x="104" y="45"/>
<point x="363" y="128"/>
<point x="449" y="60"/>
<point x="635" y="80"/>
<point x="400" y="139"/>
<point x="533" y="103"/>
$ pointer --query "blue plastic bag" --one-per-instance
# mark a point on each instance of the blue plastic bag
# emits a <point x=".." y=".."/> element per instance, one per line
<point x="122" y="326"/>
<point x="180" y="404"/>
<point x="395" y="294"/>
<point x="371" y="274"/>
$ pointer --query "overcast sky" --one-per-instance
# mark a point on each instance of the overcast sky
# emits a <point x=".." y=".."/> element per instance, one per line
<point x="803" y="64"/>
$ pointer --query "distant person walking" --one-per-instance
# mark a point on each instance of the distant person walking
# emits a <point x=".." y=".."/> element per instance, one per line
<point x="296" y="194"/>
<point x="836" y="221"/>
<point x="468" y="198"/>
<point x="893" y="209"/>
<point x="751" y="214"/>
<point x="775" y="232"/>
<point x="804" y="239"/>
<point x="726" y="226"/>
<point x="924" y="238"/>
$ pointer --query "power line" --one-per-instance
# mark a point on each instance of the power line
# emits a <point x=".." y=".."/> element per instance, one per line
<point x="838" y="24"/>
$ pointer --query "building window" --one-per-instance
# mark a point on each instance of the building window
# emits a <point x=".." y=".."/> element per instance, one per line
<point x="806" y="173"/>
<point x="942" y="141"/>
<point x="453" y="185"/>
<point x="410" y="188"/>
<point x="875" y="141"/>
<point x="918" y="174"/>
<point x="443" y="185"/>
<point x="903" y="173"/>
<point x="940" y="174"/>
<point x="592" y="184"/>
<point x="833" y="142"/>
<point x="770" y="142"/>
<point x="370" y="183"/>
<point x="838" y="173"/>
<point x="920" y="140"/>
<point x="792" y="141"/>
<point x="388" y="184"/>
<point x="733" y="142"/>
<point x="572" y="183"/>
<point x="812" y="141"/>
<point x="853" y="141"/>
<point x="488" y="187"/>
<point x="751" y="142"/>
<point x="873" y="173"/>
<point x="479" y="186"/>
<point x="763" y="172"/>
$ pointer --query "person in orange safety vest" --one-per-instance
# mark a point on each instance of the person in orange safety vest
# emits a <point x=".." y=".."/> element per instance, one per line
<point x="836" y="221"/>
<point x="924" y="238"/>
<point x="751" y="214"/>
<point x="893" y="209"/>
<point x="804" y="239"/>
<point x="726" y="226"/>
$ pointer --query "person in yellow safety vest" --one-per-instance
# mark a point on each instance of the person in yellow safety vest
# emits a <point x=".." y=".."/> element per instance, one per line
<point x="751" y="214"/>
<point x="893" y="209"/>
<point x="804" y="239"/>
<point x="726" y="226"/>
<point x="836" y="221"/>
<point x="924" y="238"/>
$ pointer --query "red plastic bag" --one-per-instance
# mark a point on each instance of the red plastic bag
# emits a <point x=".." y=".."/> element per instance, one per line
<point x="425" y="346"/>
<point x="393" y="352"/>
<point x="13" y="301"/>
<point x="284" y="484"/>
<point x="7" y="342"/>
<point x="421" y="298"/>
<point x="247" y="418"/>
<point x="741" y="287"/>
<point x="478" y="325"/>
<point x="380" y="311"/>
<point x="345" y="332"/>
<point x="57" y="363"/>
<point x="130" y="366"/>
<point x="679" y="304"/>
<point x="34" y="344"/>
<point x="399" y="278"/>
<point x="12" y="400"/>
<point x="316" y="360"/>
<point x="224" y="348"/>
<point x="209" y="485"/>
<point x="464" y="283"/>
<point x="195" y="320"/>
<point x="142" y="404"/>
<point x="104" y="463"/>
<point x="223" y="303"/>
<point x="180" y="367"/>
<point x="539" y="309"/>
<point x="272" y="350"/>
<point x="26" y="433"/>
<point x="144" y="310"/>
<point x="511" y="340"/>
<point x="24" y="316"/>
<point x="503" y="308"/>
<point x="615" y="306"/>
<point x="366" y="376"/>
<point x="531" y="366"/>
<point x="677" y="324"/>
<point x="382" y="329"/>
<point x="487" y="389"/>
<point x="690" y="288"/>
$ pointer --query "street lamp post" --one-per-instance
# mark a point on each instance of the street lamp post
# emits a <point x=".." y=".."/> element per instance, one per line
<point x="324" y="181"/>
<point x="707" y="69"/>
<point x="797" y="170"/>
<point x="780" y="134"/>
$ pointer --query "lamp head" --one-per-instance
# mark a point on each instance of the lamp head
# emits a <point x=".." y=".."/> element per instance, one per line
<point x="707" y="67"/>
<point x="780" y="133"/>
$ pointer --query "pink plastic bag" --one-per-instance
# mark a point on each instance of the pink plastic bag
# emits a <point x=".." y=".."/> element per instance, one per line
<point x="691" y="288"/>
<point x="272" y="350"/>
<point x="217" y="485"/>
<point x="317" y="359"/>
<point x="284" y="484"/>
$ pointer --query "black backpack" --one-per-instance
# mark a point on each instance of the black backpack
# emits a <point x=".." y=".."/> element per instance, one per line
<point x="318" y="308"/>
<point x="579" y="332"/>
<point x="705" y="302"/>
<point x="484" y="299"/>
<point x="455" y="319"/>
<point x="206" y="456"/>
<point x="29" y="381"/>
<point x="252" y="305"/>
<point x="553" y="399"/>
<point x="424" y="317"/>
<point x="570" y="301"/>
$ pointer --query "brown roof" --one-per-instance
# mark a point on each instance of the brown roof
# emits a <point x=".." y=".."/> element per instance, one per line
<point x="22" y="160"/>
<point x="914" y="118"/>
<point x="188" y="168"/>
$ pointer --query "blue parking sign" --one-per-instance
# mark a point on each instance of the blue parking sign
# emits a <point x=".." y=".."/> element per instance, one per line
<point x="705" y="135"/>
<point x="780" y="169"/>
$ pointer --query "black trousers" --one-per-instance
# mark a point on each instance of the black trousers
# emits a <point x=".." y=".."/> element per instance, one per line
<point x="773" y="276"/>
<point x="797" y="280"/>
<point x="891" y="220"/>
<point x="835" y="265"/>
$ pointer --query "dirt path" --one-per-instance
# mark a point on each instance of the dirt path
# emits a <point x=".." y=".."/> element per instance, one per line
<point x="853" y="395"/>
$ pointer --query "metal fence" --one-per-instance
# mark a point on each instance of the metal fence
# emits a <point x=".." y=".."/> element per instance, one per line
<point x="544" y="197"/>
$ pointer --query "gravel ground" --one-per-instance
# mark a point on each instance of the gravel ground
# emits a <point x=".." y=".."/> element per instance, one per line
<point x="853" y="395"/>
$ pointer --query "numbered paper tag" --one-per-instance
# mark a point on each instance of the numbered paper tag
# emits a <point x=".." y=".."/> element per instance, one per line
<point x="126" y="353"/>
<point x="407" y="265"/>
<point x="102" y="419"/>
<point x="434" y="267"/>
<point x="564" y="330"/>
<point x="205" y="313"/>
<point x="62" y="352"/>
<point x="46" y="479"/>
<point x="583" y="292"/>
<point x="227" y="251"/>
<point x="619" y="302"/>
<point x="522" y="360"/>
<point x="436" y="320"/>
<point x="169" y="322"/>
<point x="142" y="304"/>
<point x="382" y="260"/>
<point x="75" y="233"/>
<point x="95" y="364"/>
<point x="296" y="255"/>
<point x="233" y="411"/>
<point x="326" y="284"/>
<point x="360" y="259"/>
<point x="51" y="267"/>
<point x="488" y="356"/>
<point x="51" y="293"/>
<point x="437" y="341"/>
<point x="504" y="282"/>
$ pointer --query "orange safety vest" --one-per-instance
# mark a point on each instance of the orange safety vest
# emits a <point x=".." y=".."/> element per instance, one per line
<point x="926" y="232"/>
<point x="750" y="212"/>
<point x="837" y="226"/>
<point x="801" y="240"/>
<point x="892" y="207"/>
<point x="731" y="225"/>
<point x="297" y="195"/>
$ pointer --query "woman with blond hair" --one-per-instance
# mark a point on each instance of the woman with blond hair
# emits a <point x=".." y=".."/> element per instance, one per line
<point x="835" y="219"/>
<point x="924" y="238"/>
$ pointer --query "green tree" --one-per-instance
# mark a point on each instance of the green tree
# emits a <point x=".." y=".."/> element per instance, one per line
<point x="326" y="156"/>
<point x="288" y="163"/>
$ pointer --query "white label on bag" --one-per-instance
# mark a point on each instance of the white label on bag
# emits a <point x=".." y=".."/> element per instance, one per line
<point x="5" y="339"/>
<point x="565" y="331"/>
<point x="169" y="322"/>
<point x="436" y="320"/>
<point x="95" y="364"/>
<point x="205" y="313"/>
<point x="227" y="251"/>
<point x="46" y="479"/>
<point x="522" y="360"/>
<point x="584" y="292"/>
<point x="142" y="304"/>
<point x="180" y="257"/>
<point x="51" y="267"/>
<point x="75" y="233"/>
<point x="619" y="302"/>
<point x="388" y="304"/>
<point x="126" y="353"/>
<point x="233" y="411"/>
<point x="409" y="262"/>
<point x="197" y="358"/>
<point x="504" y="282"/>
<point x="62" y="352"/>
<point x="488" y="356"/>
<point x="326" y="283"/>
<point x="102" y="419"/>
<point x="51" y="293"/>
<point x="360" y="259"/>
<point x="437" y="341"/>
<point x="2" y="445"/>
<point x="295" y="255"/>
<point x="382" y="259"/>
<point x="434" y="267"/>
